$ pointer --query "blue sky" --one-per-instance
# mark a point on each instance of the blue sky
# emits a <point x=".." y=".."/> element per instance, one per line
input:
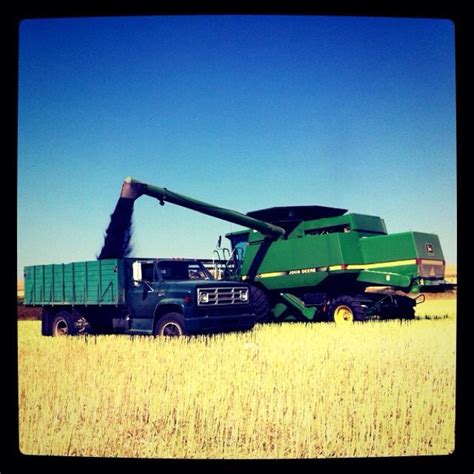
<point x="246" y="112"/>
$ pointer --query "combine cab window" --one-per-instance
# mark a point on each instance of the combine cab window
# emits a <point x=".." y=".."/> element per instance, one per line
<point x="239" y="243"/>
<point x="240" y="250"/>
<point x="329" y="230"/>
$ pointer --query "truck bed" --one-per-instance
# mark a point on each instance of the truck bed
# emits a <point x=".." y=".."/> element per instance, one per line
<point x="96" y="282"/>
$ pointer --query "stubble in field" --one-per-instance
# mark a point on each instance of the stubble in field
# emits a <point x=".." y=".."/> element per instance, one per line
<point x="290" y="390"/>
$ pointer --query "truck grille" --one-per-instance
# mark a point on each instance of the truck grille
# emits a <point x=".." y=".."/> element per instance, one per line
<point x="222" y="296"/>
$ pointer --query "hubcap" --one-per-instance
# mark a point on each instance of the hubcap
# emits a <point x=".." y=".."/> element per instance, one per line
<point x="61" y="328"/>
<point x="343" y="314"/>
<point x="171" y="329"/>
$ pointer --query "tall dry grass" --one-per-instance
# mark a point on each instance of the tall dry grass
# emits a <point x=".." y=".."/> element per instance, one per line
<point x="290" y="390"/>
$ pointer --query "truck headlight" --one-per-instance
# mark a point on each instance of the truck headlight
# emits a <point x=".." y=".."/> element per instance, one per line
<point x="203" y="297"/>
<point x="244" y="295"/>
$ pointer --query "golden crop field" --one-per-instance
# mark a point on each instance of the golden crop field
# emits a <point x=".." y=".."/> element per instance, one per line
<point x="291" y="390"/>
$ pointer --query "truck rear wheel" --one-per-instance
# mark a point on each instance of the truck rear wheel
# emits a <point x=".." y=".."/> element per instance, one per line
<point x="171" y="325"/>
<point x="46" y="326"/>
<point x="346" y="310"/>
<point x="63" y="325"/>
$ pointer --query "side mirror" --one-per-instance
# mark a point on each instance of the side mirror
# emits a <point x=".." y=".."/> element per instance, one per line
<point x="137" y="272"/>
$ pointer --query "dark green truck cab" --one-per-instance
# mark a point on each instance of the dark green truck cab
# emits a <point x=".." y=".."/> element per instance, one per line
<point x="136" y="296"/>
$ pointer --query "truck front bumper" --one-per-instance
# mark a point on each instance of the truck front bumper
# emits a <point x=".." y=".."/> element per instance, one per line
<point x="212" y="324"/>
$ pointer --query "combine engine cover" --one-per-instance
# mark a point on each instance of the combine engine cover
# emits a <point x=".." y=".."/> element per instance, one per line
<point x="325" y="247"/>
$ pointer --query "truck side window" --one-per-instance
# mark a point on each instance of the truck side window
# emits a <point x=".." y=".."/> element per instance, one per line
<point x="147" y="271"/>
<point x="195" y="272"/>
<point x="181" y="270"/>
<point x="142" y="271"/>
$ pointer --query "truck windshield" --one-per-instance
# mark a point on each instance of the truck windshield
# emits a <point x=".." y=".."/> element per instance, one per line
<point x="179" y="270"/>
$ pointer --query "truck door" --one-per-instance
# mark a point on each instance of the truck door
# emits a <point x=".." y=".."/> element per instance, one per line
<point x="144" y="293"/>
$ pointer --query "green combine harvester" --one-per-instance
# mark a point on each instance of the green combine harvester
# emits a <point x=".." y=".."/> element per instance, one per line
<point x="315" y="263"/>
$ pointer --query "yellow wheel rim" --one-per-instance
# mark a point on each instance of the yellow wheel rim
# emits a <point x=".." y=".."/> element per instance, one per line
<point x="343" y="315"/>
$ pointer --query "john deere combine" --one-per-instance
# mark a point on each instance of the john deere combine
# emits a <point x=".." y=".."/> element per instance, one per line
<point x="321" y="263"/>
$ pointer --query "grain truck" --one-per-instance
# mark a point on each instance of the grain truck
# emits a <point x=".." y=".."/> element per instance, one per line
<point x="318" y="263"/>
<point x="167" y="297"/>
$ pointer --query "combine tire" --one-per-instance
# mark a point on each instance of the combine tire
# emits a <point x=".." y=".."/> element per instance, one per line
<point x="63" y="324"/>
<point x="346" y="310"/>
<point x="171" y="325"/>
<point x="260" y="304"/>
<point x="409" y="313"/>
<point x="406" y="308"/>
<point x="402" y="307"/>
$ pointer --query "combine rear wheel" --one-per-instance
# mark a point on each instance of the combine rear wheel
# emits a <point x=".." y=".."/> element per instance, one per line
<point x="346" y="310"/>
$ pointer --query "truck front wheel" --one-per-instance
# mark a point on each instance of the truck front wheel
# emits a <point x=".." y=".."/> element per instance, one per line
<point x="63" y="324"/>
<point x="346" y="310"/>
<point x="171" y="325"/>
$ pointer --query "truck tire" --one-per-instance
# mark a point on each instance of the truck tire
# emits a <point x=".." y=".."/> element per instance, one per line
<point x="346" y="310"/>
<point x="63" y="324"/>
<point x="260" y="304"/>
<point x="46" y="326"/>
<point x="171" y="325"/>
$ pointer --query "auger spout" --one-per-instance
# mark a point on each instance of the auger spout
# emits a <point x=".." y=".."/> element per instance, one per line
<point x="133" y="188"/>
